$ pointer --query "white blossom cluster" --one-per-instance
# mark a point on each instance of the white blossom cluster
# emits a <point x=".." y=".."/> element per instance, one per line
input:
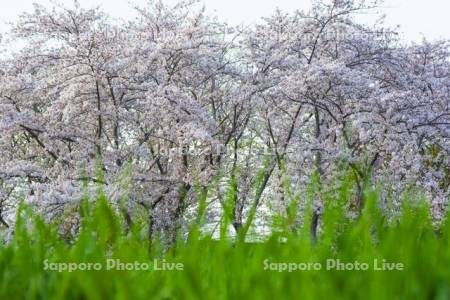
<point x="81" y="107"/>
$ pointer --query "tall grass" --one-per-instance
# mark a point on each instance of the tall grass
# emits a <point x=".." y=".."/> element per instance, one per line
<point x="225" y="269"/>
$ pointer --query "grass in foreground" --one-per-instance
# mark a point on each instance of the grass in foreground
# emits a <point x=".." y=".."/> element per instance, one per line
<point x="221" y="269"/>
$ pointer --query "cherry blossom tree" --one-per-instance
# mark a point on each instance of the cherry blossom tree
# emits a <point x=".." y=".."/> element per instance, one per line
<point x="156" y="110"/>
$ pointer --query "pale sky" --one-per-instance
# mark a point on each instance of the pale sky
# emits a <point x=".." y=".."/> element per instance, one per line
<point x="417" y="18"/>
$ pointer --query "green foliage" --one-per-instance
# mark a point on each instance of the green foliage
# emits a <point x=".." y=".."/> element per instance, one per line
<point x="235" y="270"/>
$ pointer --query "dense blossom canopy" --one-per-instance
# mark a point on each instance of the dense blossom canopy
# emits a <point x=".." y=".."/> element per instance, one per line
<point x="156" y="109"/>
